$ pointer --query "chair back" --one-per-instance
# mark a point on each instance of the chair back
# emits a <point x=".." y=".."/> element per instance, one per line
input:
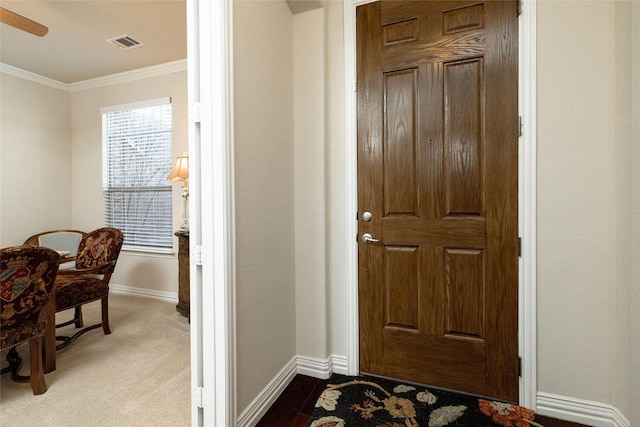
<point x="27" y="274"/>
<point x="59" y="240"/>
<point x="100" y="247"/>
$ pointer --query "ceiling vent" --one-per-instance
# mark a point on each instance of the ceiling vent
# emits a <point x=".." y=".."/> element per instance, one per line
<point x="125" y="42"/>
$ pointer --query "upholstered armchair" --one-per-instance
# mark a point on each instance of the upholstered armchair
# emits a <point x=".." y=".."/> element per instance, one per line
<point x="89" y="281"/>
<point x="27" y="275"/>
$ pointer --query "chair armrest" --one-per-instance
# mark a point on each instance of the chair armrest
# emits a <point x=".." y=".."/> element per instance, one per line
<point x="92" y="270"/>
<point x="64" y="259"/>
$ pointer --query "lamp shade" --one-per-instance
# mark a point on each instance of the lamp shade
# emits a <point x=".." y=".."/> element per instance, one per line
<point x="180" y="171"/>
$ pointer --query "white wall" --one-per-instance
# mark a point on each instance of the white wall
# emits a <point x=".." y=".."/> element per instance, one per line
<point x="265" y="272"/>
<point x="576" y="199"/>
<point x="310" y="185"/>
<point x="623" y="111"/>
<point x="321" y="240"/>
<point x="337" y="238"/>
<point x="35" y="159"/>
<point x="151" y="274"/>
<point x="287" y="80"/>
<point x="587" y="230"/>
<point x="320" y="215"/>
<point x="634" y="299"/>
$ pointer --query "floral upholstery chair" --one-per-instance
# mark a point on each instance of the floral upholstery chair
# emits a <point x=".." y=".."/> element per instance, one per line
<point x="27" y="275"/>
<point x="89" y="281"/>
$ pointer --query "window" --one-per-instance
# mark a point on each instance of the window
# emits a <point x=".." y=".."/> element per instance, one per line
<point x="136" y="148"/>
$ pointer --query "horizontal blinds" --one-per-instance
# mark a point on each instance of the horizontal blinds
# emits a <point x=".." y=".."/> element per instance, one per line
<point x="136" y="162"/>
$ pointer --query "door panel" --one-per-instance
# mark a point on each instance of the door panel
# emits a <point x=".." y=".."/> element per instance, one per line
<point x="464" y="315"/>
<point x="437" y="168"/>
<point x="402" y="274"/>
<point x="463" y="96"/>
<point x="401" y="193"/>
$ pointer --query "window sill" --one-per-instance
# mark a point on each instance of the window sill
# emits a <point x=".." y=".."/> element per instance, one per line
<point x="153" y="253"/>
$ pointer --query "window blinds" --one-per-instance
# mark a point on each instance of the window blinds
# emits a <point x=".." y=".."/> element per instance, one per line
<point x="136" y="162"/>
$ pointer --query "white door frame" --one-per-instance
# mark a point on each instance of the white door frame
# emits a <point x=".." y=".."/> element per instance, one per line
<point x="526" y="199"/>
<point x="211" y="208"/>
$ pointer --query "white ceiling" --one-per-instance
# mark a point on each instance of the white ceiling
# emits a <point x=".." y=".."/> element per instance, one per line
<point x="75" y="48"/>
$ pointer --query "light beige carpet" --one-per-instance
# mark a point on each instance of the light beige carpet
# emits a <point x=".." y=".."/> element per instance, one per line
<point x="137" y="376"/>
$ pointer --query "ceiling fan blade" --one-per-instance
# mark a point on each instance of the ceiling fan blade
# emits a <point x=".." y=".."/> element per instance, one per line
<point x="20" y="22"/>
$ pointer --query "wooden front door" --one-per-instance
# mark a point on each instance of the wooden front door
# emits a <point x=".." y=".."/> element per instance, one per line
<point x="438" y="193"/>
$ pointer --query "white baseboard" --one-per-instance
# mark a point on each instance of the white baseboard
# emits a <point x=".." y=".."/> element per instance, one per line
<point x="580" y="411"/>
<point x="261" y="404"/>
<point x="322" y="368"/>
<point x="142" y="292"/>
<point x="340" y="364"/>
<point x="310" y="366"/>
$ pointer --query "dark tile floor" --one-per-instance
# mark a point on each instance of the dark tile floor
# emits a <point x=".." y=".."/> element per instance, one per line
<point x="294" y="407"/>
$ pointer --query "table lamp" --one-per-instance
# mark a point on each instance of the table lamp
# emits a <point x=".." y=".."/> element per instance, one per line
<point x="180" y="173"/>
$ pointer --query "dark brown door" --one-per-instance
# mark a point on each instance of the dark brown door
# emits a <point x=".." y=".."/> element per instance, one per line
<point x="438" y="173"/>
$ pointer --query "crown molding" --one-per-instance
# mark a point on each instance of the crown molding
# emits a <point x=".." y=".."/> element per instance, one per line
<point x="124" y="77"/>
<point x="129" y="76"/>
<point x="28" y="75"/>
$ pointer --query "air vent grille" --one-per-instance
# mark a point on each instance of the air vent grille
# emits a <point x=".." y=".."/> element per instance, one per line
<point x="125" y="42"/>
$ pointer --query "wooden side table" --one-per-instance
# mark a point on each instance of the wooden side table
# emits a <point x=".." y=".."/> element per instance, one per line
<point x="183" y="274"/>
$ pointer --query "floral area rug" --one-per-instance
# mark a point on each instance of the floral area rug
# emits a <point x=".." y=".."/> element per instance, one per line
<point x="367" y="402"/>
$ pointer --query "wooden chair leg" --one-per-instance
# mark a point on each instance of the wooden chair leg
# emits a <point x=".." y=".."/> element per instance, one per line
<point x="38" y="385"/>
<point x="105" y="315"/>
<point x="15" y="363"/>
<point x="49" y="350"/>
<point x="77" y="317"/>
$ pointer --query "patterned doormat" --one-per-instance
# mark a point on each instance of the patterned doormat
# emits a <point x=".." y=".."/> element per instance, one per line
<point x="368" y="402"/>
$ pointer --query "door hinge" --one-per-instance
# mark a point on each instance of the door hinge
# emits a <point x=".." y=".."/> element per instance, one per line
<point x="355" y="87"/>
<point x="519" y="246"/>
<point x="195" y="112"/>
<point x="520" y="126"/>
<point x="197" y="254"/>
<point x="519" y="366"/>
<point x="198" y="397"/>
<point x="520" y="6"/>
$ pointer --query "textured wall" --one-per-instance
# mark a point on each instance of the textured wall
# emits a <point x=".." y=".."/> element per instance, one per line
<point x="623" y="191"/>
<point x="310" y="184"/>
<point x="635" y="217"/>
<point x="264" y="184"/>
<point x="336" y="184"/>
<point x="579" y="250"/>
